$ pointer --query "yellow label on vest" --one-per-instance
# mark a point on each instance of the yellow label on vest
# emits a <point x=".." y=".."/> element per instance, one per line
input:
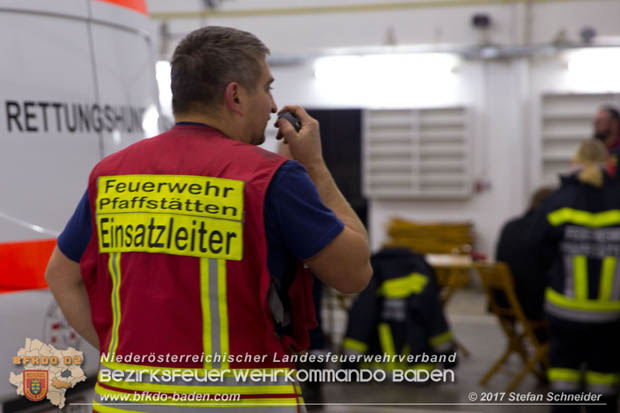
<point x="174" y="214"/>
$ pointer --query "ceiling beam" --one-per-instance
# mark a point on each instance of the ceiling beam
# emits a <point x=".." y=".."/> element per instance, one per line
<point x="351" y="8"/>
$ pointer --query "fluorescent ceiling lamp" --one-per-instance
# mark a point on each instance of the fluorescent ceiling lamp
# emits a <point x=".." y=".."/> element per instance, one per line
<point x="595" y="68"/>
<point x="386" y="79"/>
<point x="384" y="66"/>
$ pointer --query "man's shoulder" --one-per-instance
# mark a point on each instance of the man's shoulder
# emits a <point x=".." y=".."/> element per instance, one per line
<point x="263" y="153"/>
<point x="291" y="168"/>
<point x="290" y="179"/>
<point x="254" y="158"/>
<point x="567" y="193"/>
<point x="138" y="146"/>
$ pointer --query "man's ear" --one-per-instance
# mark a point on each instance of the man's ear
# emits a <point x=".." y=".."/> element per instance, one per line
<point x="233" y="97"/>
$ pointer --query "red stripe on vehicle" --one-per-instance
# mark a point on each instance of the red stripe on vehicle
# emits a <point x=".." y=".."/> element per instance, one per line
<point x="136" y="5"/>
<point x="22" y="264"/>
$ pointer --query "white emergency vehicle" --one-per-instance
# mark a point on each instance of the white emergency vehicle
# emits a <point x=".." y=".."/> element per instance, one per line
<point x="77" y="82"/>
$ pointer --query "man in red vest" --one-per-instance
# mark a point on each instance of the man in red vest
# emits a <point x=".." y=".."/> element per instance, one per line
<point x="189" y="252"/>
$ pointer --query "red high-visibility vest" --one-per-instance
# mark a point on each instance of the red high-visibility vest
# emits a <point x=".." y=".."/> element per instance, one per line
<point x="176" y="271"/>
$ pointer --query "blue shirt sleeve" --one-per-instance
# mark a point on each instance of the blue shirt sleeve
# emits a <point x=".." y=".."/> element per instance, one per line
<point x="75" y="237"/>
<point x="297" y="223"/>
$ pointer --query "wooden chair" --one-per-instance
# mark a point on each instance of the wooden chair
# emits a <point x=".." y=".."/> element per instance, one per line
<point x="518" y="328"/>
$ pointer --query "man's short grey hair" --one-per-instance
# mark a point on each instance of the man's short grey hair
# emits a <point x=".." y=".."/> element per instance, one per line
<point x="207" y="60"/>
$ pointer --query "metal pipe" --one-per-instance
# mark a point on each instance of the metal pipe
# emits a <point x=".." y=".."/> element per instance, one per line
<point x="351" y="8"/>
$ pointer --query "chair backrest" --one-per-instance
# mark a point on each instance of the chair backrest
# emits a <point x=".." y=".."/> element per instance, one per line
<point x="496" y="277"/>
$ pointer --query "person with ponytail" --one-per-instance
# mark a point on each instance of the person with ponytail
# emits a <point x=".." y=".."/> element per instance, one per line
<point x="590" y="159"/>
<point x="577" y="237"/>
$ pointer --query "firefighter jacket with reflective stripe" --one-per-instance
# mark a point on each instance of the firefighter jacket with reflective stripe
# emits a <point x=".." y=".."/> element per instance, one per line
<point x="176" y="269"/>
<point x="577" y="231"/>
<point x="399" y="313"/>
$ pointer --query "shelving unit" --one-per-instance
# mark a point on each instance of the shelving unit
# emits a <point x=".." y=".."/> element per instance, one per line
<point x="417" y="153"/>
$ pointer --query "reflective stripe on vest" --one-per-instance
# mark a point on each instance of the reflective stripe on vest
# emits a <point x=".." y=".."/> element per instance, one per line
<point x="569" y="276"/>
<point x="562" y="379"/>
<point x="115" y="273"/>
<point x="575" y="304"/>
<point x="214" y="309"/>
<point x="106" y="401"/>
<point x="602" y="383"/>
<point x="273" y="391"/>
<point x="255" y="387"/>
<point x="352" y="346"/>
<point x="387" y="343"/>
<point x="584" y="218"/>
<point x="589" y="310"/>
<point x="403" y="287"/>
<point x="442" y="342"/>
<point x="134" y="407"/>
<point x="586" y="305"/>
<point x="610" y="280"/>
<point x="580" y="266"/>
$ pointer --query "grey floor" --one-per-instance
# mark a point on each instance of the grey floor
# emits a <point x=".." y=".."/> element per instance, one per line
<point x="479" y="333"/>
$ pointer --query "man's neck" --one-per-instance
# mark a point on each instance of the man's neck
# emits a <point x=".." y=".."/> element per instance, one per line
<point x="227" y="128"/>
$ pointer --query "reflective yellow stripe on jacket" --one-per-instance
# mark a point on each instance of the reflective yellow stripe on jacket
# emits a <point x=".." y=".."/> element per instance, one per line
<point x="214" y="309"/>
<point x="574" y="303"/>
<point x="584" y="218"/>
<point x="403" y="287"/>
<point x="114" y="266"/>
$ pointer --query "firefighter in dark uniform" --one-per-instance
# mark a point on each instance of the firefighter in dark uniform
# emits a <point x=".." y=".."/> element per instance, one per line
<point x="577" y="230"/>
